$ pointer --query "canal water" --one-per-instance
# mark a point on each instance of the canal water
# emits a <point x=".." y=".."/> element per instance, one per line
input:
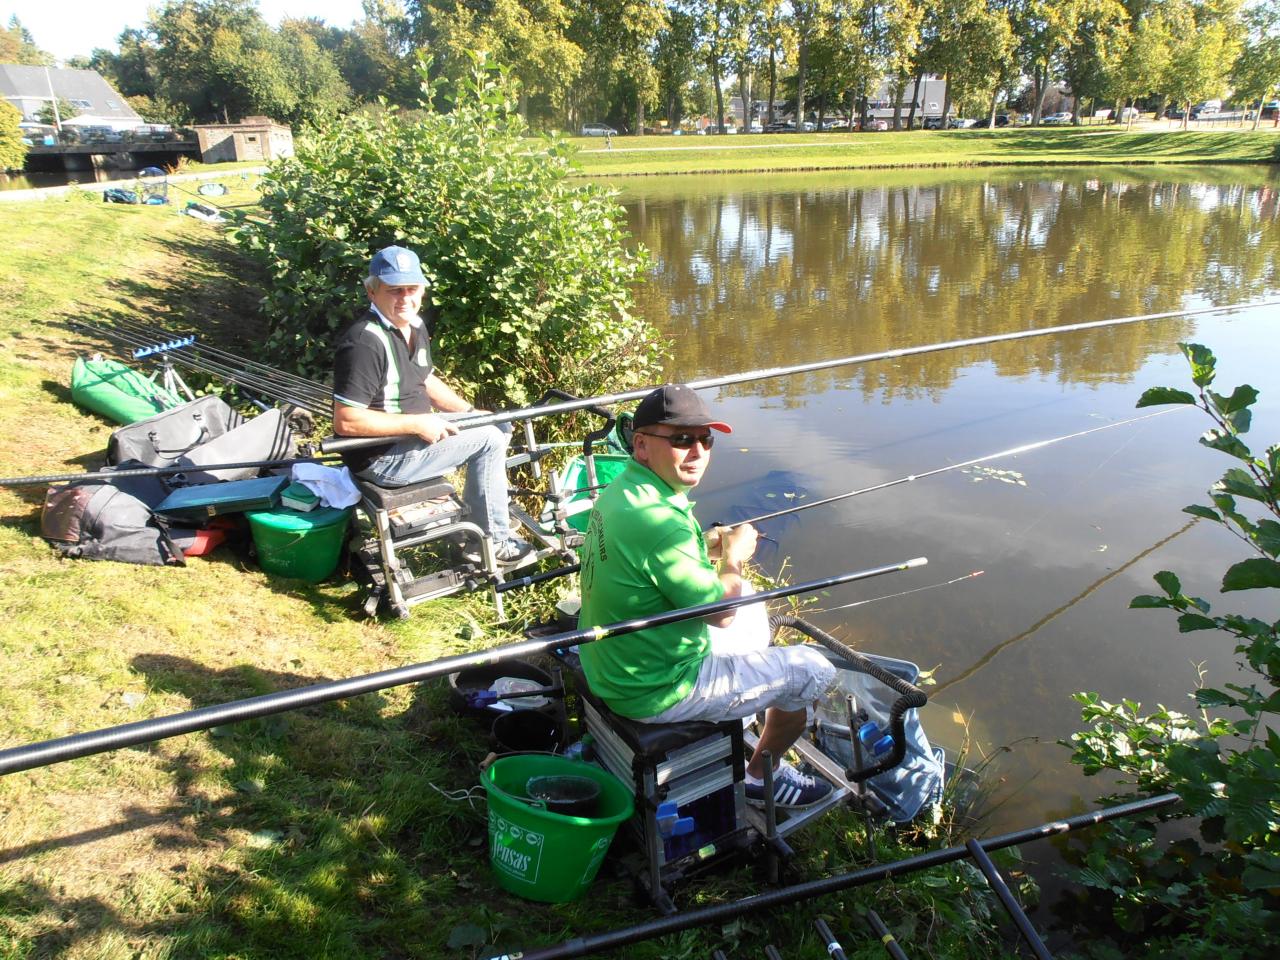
<point x="750" y="272"/>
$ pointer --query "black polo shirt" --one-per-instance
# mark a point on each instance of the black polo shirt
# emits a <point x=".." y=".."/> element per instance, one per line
<point x="374" y="368"/>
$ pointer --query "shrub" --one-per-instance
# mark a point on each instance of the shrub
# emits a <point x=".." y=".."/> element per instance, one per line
<point x="13" y="152"/>
<point x="1219" y="894"/>
<point x="529" y="272"/>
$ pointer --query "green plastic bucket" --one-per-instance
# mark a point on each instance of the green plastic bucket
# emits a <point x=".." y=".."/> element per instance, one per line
<point x="304" y="546"/>
<point x="540" y="855"/>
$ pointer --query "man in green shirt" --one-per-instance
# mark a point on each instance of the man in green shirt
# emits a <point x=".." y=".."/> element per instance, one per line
<point x="645" y="554"/>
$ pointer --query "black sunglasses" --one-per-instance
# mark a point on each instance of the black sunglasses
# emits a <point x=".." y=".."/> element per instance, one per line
<point x="683" y="441"/>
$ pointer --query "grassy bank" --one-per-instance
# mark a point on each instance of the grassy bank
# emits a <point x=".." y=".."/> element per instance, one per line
<point x="341" y="831"/>
<point x="922" y="148"/>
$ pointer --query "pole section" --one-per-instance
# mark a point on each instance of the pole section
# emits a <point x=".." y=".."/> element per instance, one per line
<point x="145" y="731"/>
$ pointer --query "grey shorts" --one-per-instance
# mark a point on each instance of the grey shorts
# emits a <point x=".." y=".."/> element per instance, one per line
<point x="741" y="685"/>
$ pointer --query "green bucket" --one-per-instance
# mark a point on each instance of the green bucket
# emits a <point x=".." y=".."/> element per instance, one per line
<point x="540" y="855"/>
<point x="304" y="546"/>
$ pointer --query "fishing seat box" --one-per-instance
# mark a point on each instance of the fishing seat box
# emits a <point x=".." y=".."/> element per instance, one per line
<point x="208" y="500"/>
<point x="698" y="767"/>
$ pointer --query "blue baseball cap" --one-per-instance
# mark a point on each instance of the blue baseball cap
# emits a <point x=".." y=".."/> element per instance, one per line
<point x="397" y="267"/>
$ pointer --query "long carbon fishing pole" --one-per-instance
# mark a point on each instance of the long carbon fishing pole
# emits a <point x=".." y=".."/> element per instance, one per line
<point x="527" y="413"/>
<point x="1012" y="451"/>
<point x="155" y="471"/>
<point x="145" y="731"/>
<point x="805" y="892"/>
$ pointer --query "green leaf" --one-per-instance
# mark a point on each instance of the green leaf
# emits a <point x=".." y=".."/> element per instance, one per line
<point x="1189" y="622"/>
<point x="1229" y="444"/>
<point x="1148" y="602"/>
<point x="1158" y="396"/>
<point x="1241" y="398"/>
<point x="1239" y="483"/>
<point x="1208" y="697"/>
<point x="1204" y="513"/>
<point x="1252" y="574"/>
<point x="1169" y="583"/>
<point x="1266" y="535"/>
<point x="1202" y="363"/>
<point x="1258" y="878"/>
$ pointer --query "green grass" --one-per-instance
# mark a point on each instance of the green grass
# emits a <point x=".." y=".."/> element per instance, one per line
<point x="921" y="148"/>
<point x="336" y="831"/>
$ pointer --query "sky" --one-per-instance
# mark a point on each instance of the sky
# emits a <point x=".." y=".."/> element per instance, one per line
<point x="75" y="27"/>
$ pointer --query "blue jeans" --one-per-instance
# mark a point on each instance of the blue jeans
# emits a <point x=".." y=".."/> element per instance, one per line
<point x="482" y="449"/>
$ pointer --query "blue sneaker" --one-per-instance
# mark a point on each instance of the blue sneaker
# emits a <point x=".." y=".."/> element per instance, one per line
<point x="792" y="790"/>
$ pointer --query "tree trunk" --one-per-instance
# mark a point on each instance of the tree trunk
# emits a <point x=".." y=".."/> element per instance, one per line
<point x="991" y="114"/>
<point x="523" y="107"/>
<point x="639" y="130"/>
<point x="801" y="68"/>
<point x="896" y="93"/>
<point x="715" y="79"/>
<point x="853" y="109"/>
<point x="915" y="99"/>
<point x="744" y="91"/>
<point x="1186" y="114"/>
<point x="1040" y="84"/>
<point x="773" y="81"/>
<point x="946" y="100"/>
<point x="822" y="109"/>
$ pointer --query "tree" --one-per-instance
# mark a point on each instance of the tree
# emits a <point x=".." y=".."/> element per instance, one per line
<point x="219" y="60"/>
<point x="18" y="46"/>
<point x="13" y="151"/>
<point x="1090" y="57"/>
<point x="65" y="111"/>
<point x="321" y="93"/>
<point x="529" y="272"/>
<point x="677" y="64"/>
<point x="1206" y="43"/>
<point x="1142" y="64"/>
<point x="1257" y="70"/>
<point x="530" y="37"/>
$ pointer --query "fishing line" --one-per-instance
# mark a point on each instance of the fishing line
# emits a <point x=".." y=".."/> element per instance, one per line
<point x="1052" y="615"/>
<point x="894" y="596"/>
<point x="1012" y="451"/>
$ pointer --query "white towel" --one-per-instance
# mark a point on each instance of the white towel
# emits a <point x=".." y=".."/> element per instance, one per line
<point x="333" y="485"/>
<point x="748" y="632"/>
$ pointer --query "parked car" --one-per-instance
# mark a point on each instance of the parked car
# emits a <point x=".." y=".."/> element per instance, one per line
<point x="727" y="128"/>
<point x="875" y="124"/>
<point x="100" y="134"/>
<point x="780" y="126"/>
<point x="835" y="123"/>
<point x="1175" y="112"/>
<point x="961" y="123"/>
<point x="1057" y="119"/>
<point x="756" y="127"/>
<point x="1128" y="113"/>
<point x="1005" y="120"/>
<point x="1210" y="108"/>
<point x="933" y="123"/>
<point x="598" y="130"/>
<point x="154" y="132"/>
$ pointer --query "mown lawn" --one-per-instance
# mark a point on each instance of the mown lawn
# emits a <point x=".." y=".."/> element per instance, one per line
<point x="348" y="830"/>
<point x="922" y="148"/>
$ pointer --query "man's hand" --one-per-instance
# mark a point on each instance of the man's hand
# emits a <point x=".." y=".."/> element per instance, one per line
<point x="431" y="428"/>
<point x="734" y="545"/>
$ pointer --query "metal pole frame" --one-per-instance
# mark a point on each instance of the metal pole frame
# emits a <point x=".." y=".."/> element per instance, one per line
<point x="612" y="939"/>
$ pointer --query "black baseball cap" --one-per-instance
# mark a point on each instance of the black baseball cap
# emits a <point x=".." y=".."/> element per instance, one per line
<point x="676" y="405"/>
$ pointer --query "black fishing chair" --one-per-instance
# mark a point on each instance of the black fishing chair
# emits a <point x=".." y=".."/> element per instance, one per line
<point x="689" y="778"/>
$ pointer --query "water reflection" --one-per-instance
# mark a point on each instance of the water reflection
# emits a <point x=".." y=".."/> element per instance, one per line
<point x="748" y="276"/>
<point x="754" y="272"/>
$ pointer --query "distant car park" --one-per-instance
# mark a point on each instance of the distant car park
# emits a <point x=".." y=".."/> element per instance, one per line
<point x="154" y="132"/>
<point x="598" y="130"/>
<point x="1057" y="119"/>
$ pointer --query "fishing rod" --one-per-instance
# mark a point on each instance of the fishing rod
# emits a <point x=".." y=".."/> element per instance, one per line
<point x="48" y="752"/>
<point x="592" y="944"/>
<point x="140" y="345"/>
<point x="1012" y="451"/>
<point x="284" y="375"/>
<point x="904" y="593"/>
<point x="334" y="444"/>
<point x="314" y="398"/>
<point x="155" y="471"/>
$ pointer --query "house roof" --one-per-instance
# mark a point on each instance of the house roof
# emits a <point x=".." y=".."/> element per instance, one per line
<point x="26" y="87"/>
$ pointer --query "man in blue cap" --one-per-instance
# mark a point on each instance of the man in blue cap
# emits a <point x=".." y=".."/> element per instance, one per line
<point x="384" y="385"/>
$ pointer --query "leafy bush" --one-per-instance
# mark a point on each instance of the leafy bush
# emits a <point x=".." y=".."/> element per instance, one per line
<point x="529" y="273"/>
<point x="13" y="152"/>
<point x="1218" y="895"/>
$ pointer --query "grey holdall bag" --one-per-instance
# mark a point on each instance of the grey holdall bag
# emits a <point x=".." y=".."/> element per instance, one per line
<point x="161" y="440"/>
<point x="201" y="432"/>
<point x="112" y="520"/>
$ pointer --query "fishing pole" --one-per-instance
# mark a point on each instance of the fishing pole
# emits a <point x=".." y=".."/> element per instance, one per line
<point x="48" y="752"/>
<point x="155" y="471"/>
<point x="528" y="413"/>
<point x="1012" y="451"/>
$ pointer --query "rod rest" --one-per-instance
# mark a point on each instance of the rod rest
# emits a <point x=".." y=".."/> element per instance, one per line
<point x="909" y="695"/>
